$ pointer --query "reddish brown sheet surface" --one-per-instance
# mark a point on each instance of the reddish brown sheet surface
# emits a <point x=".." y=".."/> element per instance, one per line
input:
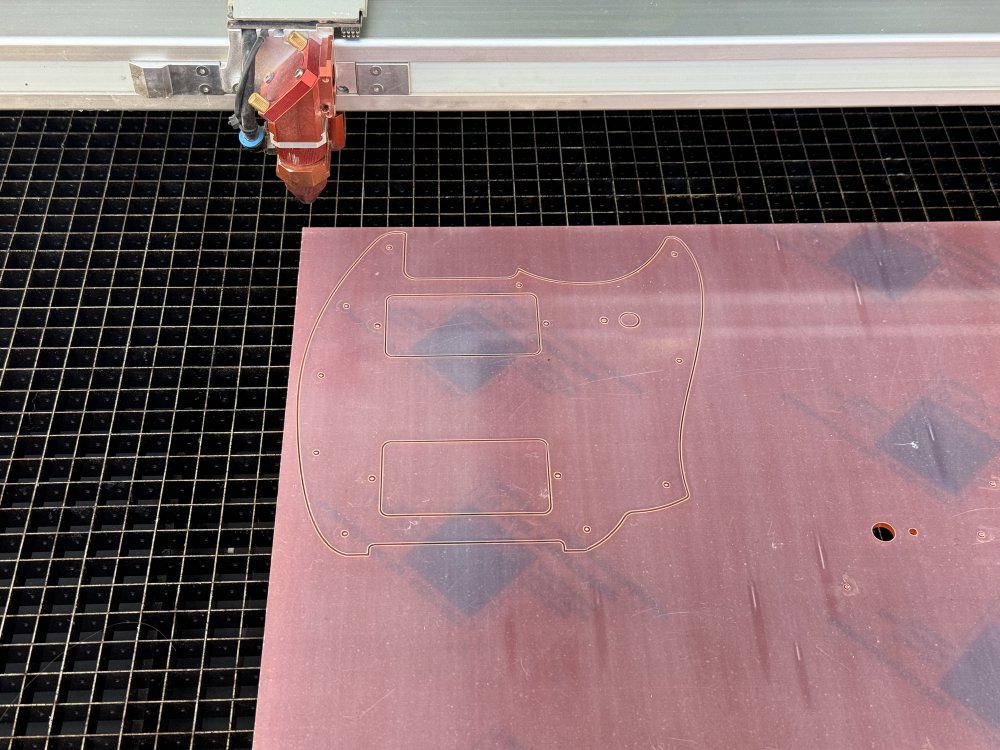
<point x="668" y="447"/>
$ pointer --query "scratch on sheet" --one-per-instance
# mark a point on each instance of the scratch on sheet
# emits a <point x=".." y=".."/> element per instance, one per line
<point x="833" y="659"/>
<point x="761" y="371"/>
<point x="372" y="706"/>
<point x="620" y="377"/>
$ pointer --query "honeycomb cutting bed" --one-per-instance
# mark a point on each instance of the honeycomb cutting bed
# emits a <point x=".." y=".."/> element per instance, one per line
<point x="147" y="290"/>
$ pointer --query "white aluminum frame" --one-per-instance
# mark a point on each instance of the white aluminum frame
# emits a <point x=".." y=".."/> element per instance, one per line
<point x="543" y="54"/>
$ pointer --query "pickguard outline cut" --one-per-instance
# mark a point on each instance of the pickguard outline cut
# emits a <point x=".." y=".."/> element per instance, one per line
<point x="522" y="408"/>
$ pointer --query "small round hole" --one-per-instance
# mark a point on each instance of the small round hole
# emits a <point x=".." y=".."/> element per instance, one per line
<point x="883" y="532"/>
<point x="913" y="532"/>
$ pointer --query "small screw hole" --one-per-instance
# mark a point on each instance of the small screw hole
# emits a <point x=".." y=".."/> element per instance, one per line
<point x="883" y="532"/>
<point x="913" y="532"/>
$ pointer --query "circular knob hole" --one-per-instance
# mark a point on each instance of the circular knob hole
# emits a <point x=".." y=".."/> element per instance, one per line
<point x="883" y="532"/>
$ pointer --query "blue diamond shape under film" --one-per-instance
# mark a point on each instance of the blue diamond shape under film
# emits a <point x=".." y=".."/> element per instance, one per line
<point x="468" y="331"/>
<point x="880" y="259"/>
<point x="974" y="679"/>
<point x="938" y="445"/>
<point x="469" y="575"/>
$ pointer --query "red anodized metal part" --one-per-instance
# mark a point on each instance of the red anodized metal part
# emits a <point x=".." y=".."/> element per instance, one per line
<point x="302" y="120"/>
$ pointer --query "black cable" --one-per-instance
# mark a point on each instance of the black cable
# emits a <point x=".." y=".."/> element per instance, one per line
<point x="244" y="117"/>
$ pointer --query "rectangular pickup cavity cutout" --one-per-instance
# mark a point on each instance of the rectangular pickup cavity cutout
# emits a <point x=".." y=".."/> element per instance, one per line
<point x="462" y="325"/>
<point x="465" y="477"/>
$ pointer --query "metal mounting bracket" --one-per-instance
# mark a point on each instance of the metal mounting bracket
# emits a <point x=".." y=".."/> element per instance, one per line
<point x="373" y="79"/>
<point x="157" y="79"/>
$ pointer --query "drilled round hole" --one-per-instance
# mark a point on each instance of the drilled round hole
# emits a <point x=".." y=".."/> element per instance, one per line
<point x="883" y="532"/>
<point x="913" y="532"/>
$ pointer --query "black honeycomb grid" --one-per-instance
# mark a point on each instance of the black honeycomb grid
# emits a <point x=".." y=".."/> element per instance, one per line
<point x="147" y="290"/>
